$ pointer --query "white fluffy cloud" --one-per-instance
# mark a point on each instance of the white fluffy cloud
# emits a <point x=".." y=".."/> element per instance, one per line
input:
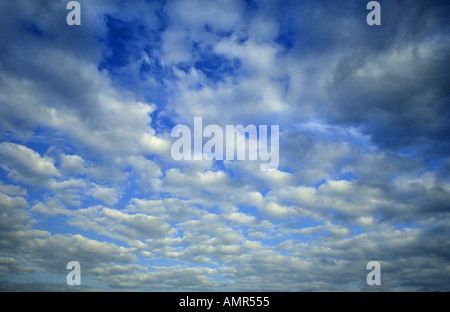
<point x="25" y="165"/>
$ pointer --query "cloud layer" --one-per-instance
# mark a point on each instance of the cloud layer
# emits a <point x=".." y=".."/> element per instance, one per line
<point x="86" y="173"/>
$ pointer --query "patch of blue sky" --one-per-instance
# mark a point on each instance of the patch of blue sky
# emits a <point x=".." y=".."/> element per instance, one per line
<point x="44" y="145"/>
<point x="216" y="67"/>
<point x="347" y="176"/>
<point x="37" y="32"/>
<point x="356" y="230"/>
<point x="286" y="38"/>
<point x="33" y="29"/>
<point x="49" y="140"/>
<point x="5" y="179"/>
<point x="131" y="44"/>
<point x="319" y="183"/>
<point x="303" y="222"/>
<point x="219" y="33"/>
<point x="153" y="67"/>
<point x="251" y="5"/>
<point x="128" y="194"/>
<point x="412" y="224"/>
<point x="57" y="225"/>
<point x="247" y="209"/>
<point x="437" y="163"/>
<point x="265" y="191"/>
<point x="161" y="121"/>
<point x="122" y="40"/>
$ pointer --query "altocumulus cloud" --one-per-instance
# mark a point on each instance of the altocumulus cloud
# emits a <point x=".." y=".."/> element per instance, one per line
<point x="86" y="173"/>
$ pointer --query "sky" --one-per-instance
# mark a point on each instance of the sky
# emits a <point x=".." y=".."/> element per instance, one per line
<point x="86" y="172"/>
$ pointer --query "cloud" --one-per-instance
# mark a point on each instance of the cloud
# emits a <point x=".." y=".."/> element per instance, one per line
<point x="25" y="165"/>
<point x="79" y="100"/>
<point x="162" y="278"/>
<point x="12" y="190"/>
<point x="85" y="166"/>
<point x="132" y="228"/>
<point x="50" y="208"/>
<point x="67" y="248"/>
<point x="72" y="164"/>
<point x="108" y="196"/>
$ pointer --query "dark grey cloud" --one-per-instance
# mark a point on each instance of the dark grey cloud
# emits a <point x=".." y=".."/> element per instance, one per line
<point x="390" y="81"/>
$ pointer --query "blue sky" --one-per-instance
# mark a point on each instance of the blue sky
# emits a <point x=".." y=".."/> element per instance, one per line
<point x="86" y="172"/>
